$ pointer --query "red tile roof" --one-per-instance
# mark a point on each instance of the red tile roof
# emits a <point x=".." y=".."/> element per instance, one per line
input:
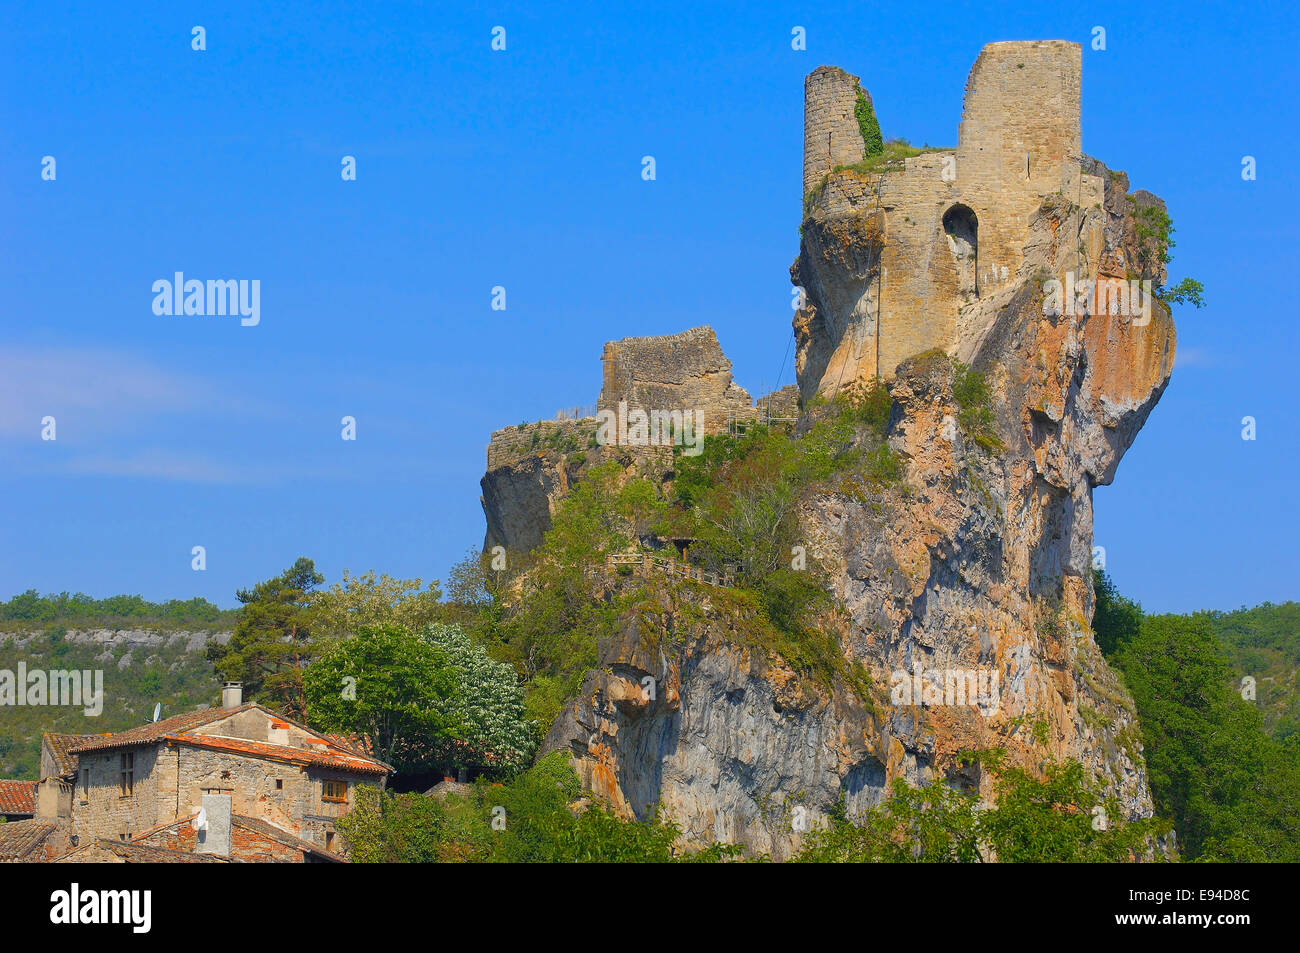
<point x="17" y="797"/>
<point x="263" y="828"/>
<point x="180" y="729"/>
<point x="267" y="829"/>
<point x="353" y="742"/>
<point x="329" y="756"/>
<point x="156" y="730"/>
<point x="65" y="762"/>
<point x="19" y="840"/>
<point x="133" y="853"/>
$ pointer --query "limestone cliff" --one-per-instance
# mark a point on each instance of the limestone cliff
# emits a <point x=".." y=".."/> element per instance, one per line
<point x="978" y="560"/>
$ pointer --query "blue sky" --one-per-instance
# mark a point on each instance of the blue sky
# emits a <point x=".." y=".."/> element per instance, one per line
<point x="522" y="169"/>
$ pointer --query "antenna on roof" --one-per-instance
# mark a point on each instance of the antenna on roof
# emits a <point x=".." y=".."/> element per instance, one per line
<point x="157" y="710"/>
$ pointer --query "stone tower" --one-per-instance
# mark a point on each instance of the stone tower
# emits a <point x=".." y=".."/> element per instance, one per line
<point x="897" y="257"/>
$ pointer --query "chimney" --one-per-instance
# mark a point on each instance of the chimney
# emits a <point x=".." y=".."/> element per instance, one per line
<point x="232" y="694"/>
<point x="214" y="836"/>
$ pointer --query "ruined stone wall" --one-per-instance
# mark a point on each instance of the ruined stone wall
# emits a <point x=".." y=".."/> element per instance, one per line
<point x="686" y="371"/>
<point x="512" y="444"/>
<point x="1019" y="142"/>
<point x="1019" y="136"/>
<point x="831" y="135"/>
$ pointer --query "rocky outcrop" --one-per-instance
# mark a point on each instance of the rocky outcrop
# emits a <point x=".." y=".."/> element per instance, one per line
<point x="962" y="590"/>
<point x="978" y="564"/>
<point x="132" y="640"/>
<point x="530" y="467"/>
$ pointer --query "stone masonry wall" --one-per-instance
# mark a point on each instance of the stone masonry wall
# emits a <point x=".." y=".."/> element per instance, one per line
<point x="170" y="781"/>
<point x="685" y="371"/>
<point x="831" y="135"/>
<point x="1019" y="142"/>
<point x="1019" y="132"/>
<point x="511" y="444"/>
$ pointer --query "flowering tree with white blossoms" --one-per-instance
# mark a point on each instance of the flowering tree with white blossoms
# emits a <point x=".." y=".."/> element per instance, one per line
<point x="488" y="708"/>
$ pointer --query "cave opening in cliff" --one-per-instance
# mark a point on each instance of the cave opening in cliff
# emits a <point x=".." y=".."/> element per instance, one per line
<point x="962" y="228"/>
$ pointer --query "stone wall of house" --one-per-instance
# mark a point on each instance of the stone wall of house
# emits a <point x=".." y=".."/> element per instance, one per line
<point x="171" y="779"/>
<point x="99" y="807"/>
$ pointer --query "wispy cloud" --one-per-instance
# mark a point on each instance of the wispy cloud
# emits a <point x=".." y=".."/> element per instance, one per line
<point x="95" y="387"/>
<point x="1186" y="357"/>
<point x="163" y="465"/>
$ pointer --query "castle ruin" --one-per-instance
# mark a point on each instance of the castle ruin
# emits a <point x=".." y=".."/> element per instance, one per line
<point x="897" y="257"/>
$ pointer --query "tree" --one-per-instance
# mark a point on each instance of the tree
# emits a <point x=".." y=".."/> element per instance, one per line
<point x="1033" y="820"/>
<point x="531" y="819"/>
<point x="1116" y="620"/>
<point x="389" y="686"/>
<point x="1233" y="792"/>
<point x="1059" y="818"/>
<point x="487" y="707"/>
<point x="932" y="824"/>
<point x="273" y="639"/>
<point x="386" y="829"/>
<point x="368" y="599"/>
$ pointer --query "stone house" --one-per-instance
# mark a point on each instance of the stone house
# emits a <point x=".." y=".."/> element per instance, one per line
<point x="278" y="784"/>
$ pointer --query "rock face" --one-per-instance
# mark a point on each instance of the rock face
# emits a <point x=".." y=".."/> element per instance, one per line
<point x="976" y="570"/>
<point x="530" y="469"/>
<point x="135" y="640"/>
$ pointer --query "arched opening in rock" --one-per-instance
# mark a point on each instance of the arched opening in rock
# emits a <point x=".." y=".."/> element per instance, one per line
<point x="962" y="228"/>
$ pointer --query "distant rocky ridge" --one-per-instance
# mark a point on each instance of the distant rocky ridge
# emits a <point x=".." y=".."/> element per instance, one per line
<point x="143" y="639"/>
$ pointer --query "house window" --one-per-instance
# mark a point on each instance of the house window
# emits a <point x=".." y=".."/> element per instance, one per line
<point x="336" y="791"/>
<point x="128" y="773"/>
<point x="279" y="784"/>
<point x="329" y="840"/>
<point x="85" y="784"/>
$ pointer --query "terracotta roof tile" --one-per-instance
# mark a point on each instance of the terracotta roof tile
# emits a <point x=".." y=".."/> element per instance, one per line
<point x="20" y="839"/>
<point x="325" y="752"/>
<point x="17" y="797"/>
<point x="134" y="853"/>
<point x="156" y="730"/>
<point x="267" y="829"/>
<point x="331" y="757"/>
<point x="64" y="761"/>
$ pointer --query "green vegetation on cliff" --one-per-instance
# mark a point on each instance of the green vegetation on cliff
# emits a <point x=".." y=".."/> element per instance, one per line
<point x="1232" y="791"/>
<point x="1059" y="818"/>
<point x="868" y="125"/>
